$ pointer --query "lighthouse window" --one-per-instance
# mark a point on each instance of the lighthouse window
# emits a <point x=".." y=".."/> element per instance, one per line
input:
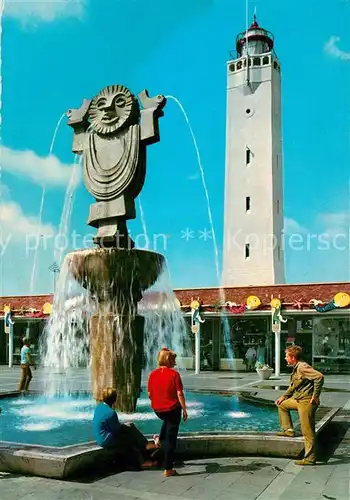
<point x="239" y="65"/>
<point x="247" y="203"/>
<point x="247" y="250"/>
<point x="278" y="206"/>
<point x="248" y="155"/>
<point x="266" y="60"/>
<point x="257" y="61"/>
<point x="275" y="65"/>
<point x="231" y="67"/>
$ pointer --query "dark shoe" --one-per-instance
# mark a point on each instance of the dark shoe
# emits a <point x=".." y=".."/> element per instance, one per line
<point x="290" y="434"/>
<point x="305" y="461"/>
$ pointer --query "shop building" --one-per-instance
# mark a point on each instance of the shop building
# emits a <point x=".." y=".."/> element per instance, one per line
<point x="313" y="319"/>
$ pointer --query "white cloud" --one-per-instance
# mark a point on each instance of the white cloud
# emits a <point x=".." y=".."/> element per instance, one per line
<point x="335" y="218"/>
<point x="291" y="226"/>
<point x="331" y="48"/>
<point x="16" y="225"/>
<point x="335" y="223"/>
<point x="43" y="10"/>
<point x="45" y="171"/>
<point x="331" y="224"/>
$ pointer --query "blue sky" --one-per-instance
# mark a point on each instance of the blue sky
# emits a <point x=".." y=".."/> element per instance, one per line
<point x="55" y="53"/>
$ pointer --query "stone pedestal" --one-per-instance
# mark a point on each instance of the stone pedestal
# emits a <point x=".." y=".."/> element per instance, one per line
<point x="116" y="357"/>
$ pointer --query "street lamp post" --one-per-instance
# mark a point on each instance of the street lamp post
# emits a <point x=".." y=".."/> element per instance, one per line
<point x="55" y="269"/>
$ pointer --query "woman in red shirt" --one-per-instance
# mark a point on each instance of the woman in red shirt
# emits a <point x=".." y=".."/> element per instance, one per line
<point x="165" y="391"/>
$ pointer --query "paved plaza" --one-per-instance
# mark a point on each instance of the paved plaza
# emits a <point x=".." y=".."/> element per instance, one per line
<point x="238" y="478"/>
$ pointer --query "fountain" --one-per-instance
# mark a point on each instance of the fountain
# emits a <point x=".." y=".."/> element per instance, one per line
<point x="112" y="133"/>
<point x="102" y="328"/>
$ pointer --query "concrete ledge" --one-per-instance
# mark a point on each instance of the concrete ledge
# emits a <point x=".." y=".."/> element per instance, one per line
<point x="65" y="462"/>
<point x="238" y="444"/>
<point x="51" y="462"/>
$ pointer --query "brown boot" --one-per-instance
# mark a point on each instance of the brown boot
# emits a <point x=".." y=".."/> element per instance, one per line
<point x="305" y="461"/>
<point x="287" y="433"/>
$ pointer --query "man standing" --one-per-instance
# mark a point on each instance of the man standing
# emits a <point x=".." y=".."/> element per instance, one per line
<point x="303" y="395"/>
<point x="26" y="361"/>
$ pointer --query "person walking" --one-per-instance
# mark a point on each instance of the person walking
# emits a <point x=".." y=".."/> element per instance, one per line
<point x="26" y="362"/>
<point x="165" y="390"/>
<point x="126" y="438"/>
<point x="303" y="395"/>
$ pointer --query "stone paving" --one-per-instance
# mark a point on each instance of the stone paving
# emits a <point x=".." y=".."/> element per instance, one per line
<point x="241" y="478"/>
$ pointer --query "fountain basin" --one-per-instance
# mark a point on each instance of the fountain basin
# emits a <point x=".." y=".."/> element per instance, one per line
<point x="63" y="421"/>
<point x="107" y="272"/>
<point x="67" y="461"/>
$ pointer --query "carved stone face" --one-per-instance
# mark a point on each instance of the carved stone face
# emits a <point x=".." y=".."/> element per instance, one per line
<point x="111" y="108"/>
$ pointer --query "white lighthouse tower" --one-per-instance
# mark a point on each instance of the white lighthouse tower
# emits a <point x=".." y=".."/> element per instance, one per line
<point x="253" y="220"/>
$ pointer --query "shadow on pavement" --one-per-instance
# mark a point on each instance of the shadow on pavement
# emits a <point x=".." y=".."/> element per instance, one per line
<point x="329" y="440"/>
<point x="106" y="470"/>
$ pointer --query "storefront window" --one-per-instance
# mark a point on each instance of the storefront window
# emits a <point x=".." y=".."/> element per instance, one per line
<point x="303" y="336"/>
<point x="331" y="346"/>
<point x="242" y="340"/>
<point x="207" y="345"/>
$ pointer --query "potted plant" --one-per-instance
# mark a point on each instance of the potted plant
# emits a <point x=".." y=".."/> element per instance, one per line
<point x="264" y="371"/>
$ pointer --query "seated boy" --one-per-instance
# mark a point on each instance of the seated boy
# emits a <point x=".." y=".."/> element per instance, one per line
<point x="110" y="433"/>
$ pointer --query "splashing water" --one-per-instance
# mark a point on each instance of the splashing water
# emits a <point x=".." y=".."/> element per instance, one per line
<point x="215" y="246"/>
<point x="65" y="341"/>
<point x="68" y="208"/>
<point x="143" y="222"/>
<point x="41" y="210"/>
<point x="165" y="325"/>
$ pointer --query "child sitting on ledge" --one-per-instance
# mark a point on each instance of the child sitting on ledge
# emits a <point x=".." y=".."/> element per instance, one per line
<point x="110" y="433"/>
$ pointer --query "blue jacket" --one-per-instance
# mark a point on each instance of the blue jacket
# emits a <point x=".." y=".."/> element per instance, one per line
<point x="106" y="425"/>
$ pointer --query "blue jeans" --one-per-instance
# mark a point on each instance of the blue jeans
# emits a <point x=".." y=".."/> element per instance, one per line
<point x="168" y="434"/>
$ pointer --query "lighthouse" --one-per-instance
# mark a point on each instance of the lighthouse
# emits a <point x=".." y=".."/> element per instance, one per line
<point x="253" y="219"/>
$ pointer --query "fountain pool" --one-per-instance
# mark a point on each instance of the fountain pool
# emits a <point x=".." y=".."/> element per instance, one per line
<point x="62" y="421"/>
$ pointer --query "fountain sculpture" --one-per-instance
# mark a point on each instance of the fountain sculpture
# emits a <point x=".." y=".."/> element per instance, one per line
<point x="112" y="133"/>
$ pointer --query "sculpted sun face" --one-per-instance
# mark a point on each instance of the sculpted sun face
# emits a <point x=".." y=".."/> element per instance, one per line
<point x="111" y="108"/>
<point x="253" y="302"/>
<point x="342" y="299"/>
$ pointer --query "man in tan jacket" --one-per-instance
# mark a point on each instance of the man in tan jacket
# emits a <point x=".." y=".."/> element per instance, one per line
<point x="303" y="395"/>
